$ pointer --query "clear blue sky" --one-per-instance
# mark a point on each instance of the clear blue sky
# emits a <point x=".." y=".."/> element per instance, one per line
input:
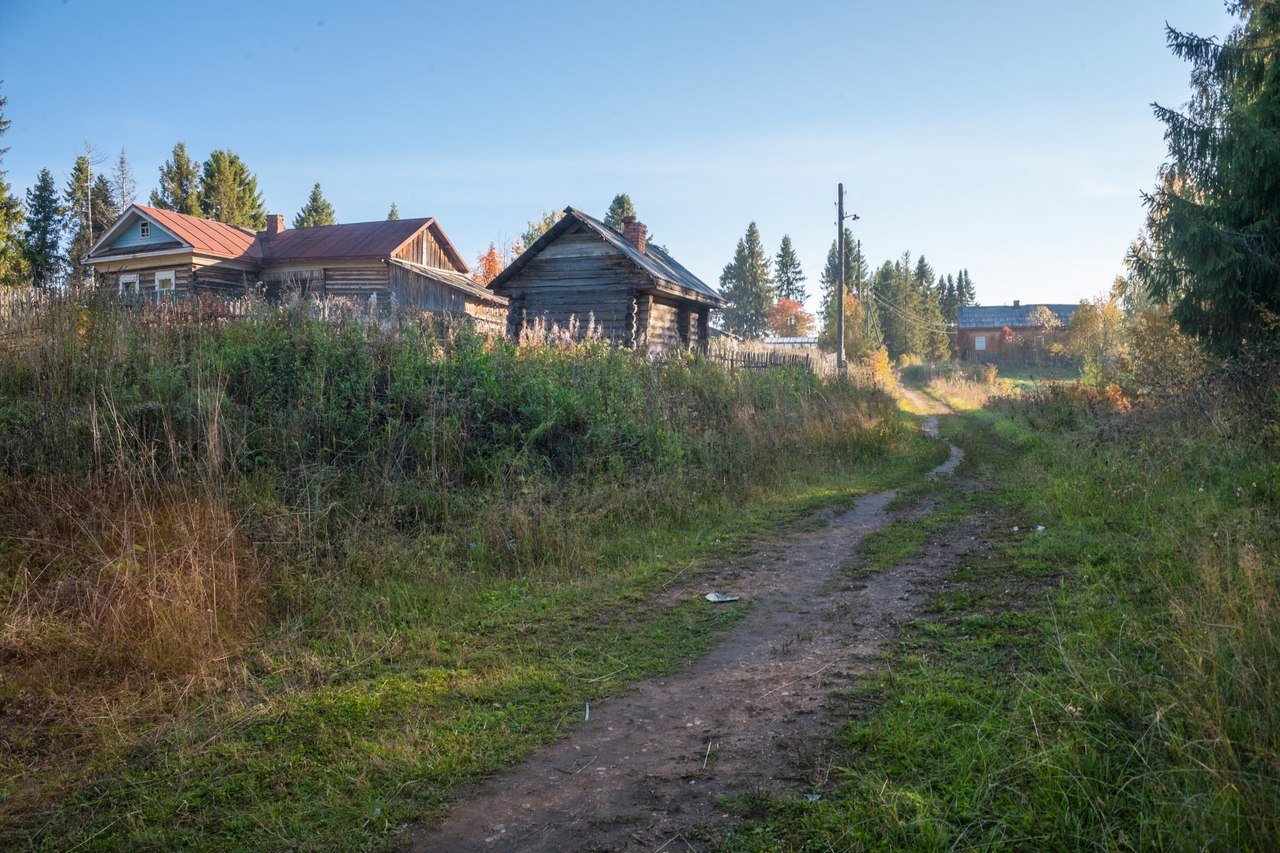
<point x="1012" y="138"/>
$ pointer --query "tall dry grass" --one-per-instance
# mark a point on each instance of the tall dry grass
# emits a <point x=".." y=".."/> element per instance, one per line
<point x="172" y="479"/>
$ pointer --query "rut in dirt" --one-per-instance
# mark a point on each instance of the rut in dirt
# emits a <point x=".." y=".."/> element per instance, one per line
<point x="647" y="768"/>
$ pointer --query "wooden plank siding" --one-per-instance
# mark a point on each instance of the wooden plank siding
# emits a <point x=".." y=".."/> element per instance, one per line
<point x="579" y="277"/>
<point x="423" y="249"/>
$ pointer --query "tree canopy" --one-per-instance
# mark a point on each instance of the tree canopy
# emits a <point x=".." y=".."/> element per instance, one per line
<point x="620" y="208"/>
<point x="394" y="213"/>
<point x="179" y="188"/>
<point x="43" y="236"/>
<point x="13" y="261"/>
<point x="317" y="211"/>
<point x="788" y="275"/>
<point x="229" y="191"/>
<point x="1213" y="221"/>
<point x="747" y="284"/>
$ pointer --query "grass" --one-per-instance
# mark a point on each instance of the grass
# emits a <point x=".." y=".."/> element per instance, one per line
<point x="274" y="582"/>
<point x="1105" y="683"/>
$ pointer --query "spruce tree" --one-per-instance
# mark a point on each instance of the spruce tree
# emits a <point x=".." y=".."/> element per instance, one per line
<point x="43" y="236"/>
<point x="947" y="285"/>
<point x="78" y="212"/>
<point x="620" y="208"/>
<point x="902" y="313"/>
<point x="179" y="188"/>
<point x="229" y="191"/>
<point x="788" y="276"/>
<point x="965" y="293"/>
<point x="861" y="328"/>
<point x="317" y="211"/>
<point x="394" y="213"/>
<point x="123" y="182"/>
<point x="13" y="261"/>
<point x="747" y="285"/>
<point x="1214" y="217"/>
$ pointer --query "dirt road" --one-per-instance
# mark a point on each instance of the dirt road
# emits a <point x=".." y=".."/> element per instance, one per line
<point x="646" y="770"/>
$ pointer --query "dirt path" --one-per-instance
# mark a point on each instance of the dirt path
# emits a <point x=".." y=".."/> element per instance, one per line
<point x="646" y="769"/>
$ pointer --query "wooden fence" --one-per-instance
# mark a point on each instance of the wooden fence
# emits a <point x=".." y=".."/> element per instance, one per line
<point x="761" y="359"/>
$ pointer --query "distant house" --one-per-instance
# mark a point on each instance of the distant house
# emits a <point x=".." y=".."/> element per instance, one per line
<point x="805" y="342"/>
<point x="981" y="329"/>
<point x="636" y="293"/>
<point x="411" y="262"/>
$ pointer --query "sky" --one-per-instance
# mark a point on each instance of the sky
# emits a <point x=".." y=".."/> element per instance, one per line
<point x="1013" y="138"/>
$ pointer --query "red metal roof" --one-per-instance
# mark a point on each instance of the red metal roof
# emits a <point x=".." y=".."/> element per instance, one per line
<point x="206" y="236"/>
<point x="355" y="241"/>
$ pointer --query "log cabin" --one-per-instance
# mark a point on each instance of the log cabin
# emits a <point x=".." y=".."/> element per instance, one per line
<point x="409" y="263"/>
<point x="636" y="294"/>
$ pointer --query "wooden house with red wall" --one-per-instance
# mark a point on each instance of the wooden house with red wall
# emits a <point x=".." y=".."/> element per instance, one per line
<point x="984" y="332"/>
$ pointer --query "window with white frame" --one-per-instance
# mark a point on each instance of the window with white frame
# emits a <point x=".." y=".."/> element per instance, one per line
<point x="166" y="285"/>
<point x="128" y="284"/>
<point x="979" y="342"/>
<point x="144" y="229"/>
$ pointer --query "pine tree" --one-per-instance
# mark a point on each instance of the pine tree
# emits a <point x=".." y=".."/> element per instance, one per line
<point x="229" y="191"/>
<point x="620" y="208"/>
<point x="43" y="236"/>
<point x="317" y="211"/>
<point x="748" y="286"/>
<point x="1213" y="218"/>
<point x="179" y="188"/>
<point x="788" y="275"/>
<point x="394" y="213"/>
<point x="122" y="181"/>
<point x="13" y="261"/>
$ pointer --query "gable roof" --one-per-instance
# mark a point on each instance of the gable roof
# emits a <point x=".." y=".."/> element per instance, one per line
<point x="663" y="268"/>
<point x="216" y="239"/>
<point x="1015" y="317"/>
<point x="352" y="241"/>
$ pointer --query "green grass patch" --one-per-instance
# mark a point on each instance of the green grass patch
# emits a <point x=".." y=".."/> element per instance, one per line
<point x="1105" y="683"/>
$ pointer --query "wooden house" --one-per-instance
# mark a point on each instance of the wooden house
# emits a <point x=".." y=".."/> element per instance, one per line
<point x="637" y="295"/>
<point x="984" y="332"/>
<point x="407" y="262"/>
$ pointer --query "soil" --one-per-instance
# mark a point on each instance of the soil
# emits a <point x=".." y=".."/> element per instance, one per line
<point x="646" y="770"/>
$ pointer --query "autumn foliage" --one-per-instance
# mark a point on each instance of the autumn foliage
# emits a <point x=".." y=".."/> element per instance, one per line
<point x="788" y="319"/>
<point x="493" y="261"/>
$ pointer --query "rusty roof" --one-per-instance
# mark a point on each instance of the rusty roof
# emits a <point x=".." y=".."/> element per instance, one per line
<point x="352" y="241"/>
<point x="206" y="236"/>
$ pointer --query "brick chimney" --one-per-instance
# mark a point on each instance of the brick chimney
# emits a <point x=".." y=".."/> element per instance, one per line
<point x="635" y="233"/>
<point x="1016" y="304"/>
<point x="275" y="224"/>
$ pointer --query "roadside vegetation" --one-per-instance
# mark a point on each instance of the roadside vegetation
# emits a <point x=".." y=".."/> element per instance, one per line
<point x="1103" y="682"/>
<point x="273" y="579"/>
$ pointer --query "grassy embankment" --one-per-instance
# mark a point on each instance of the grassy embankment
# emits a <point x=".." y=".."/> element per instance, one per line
<point x="1108" y="682"/>
<point x="277" y="582"/>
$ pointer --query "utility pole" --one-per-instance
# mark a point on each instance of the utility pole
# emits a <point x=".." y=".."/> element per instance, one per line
<point x="840" y="252"/>
<point x="840" y="368"/>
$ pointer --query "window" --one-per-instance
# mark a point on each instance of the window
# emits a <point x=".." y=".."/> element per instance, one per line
<point x="128" y="283"/>
<point x="144" y="228"/>
<point x="979" y="342"/>
<point x="166" y="286"/>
